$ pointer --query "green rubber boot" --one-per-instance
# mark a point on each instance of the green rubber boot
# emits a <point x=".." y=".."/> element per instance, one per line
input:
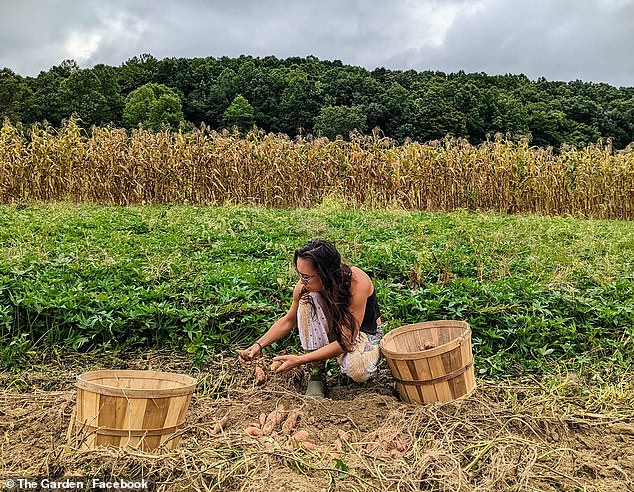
<point x="316" y="384"/>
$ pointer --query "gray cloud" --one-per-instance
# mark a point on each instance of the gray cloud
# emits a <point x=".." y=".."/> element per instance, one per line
<point x="561" y="40"/>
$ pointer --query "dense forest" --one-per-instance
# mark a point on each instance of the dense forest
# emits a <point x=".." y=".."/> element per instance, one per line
<point x="307" y="95"/>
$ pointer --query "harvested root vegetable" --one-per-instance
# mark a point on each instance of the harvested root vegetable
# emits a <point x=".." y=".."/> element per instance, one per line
<point x="275" y="365"/>
<point x="262" y="419"/>
<point x="300" y="436"/>
<point x="267" y="428"/>
<point x="259" y="375"/>
<point x="398" y="444"/>
<point x="371" y="436"/>
<point x="272" y="417"/>
<point x="338" y="445"/>
<point x="290" y="422"/>
<point x="371" y="443"/>
<point x="342" y="434"/>
<point x="273" y="420"/>
<point x="310" y="445"/>
<point x="254" y="431"/>
<point x="429" y="345"/>
<point x="281" y="410"/>
<point x="276" y="416"/>
<point x="372" y="447"/>
<point x="220" y="425"/>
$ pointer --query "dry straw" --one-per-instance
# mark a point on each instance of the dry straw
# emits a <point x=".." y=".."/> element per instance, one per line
<point x="561" y="435"/>
<point x="110" y="165"/>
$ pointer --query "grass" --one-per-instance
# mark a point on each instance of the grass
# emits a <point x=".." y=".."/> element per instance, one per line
<point x="539" y="292"/>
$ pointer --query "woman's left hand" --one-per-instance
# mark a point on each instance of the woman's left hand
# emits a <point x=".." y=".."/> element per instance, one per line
<point x="288" y="362"/>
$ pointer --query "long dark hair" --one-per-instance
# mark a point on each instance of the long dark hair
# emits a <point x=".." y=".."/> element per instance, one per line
<point x="335" y="277"/>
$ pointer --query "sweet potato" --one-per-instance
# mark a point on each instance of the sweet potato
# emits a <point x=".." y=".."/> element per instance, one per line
<point x="372" y="436"/>
<point x="398" y="444"/>
<point x="371" y="443"/>
<point x="259" y="375"/>
<point x="262" y="419"/>
<point x="276" y="416"/>
<point x="220" y="425"/>
<point x="275" y="365"/>
<point x="338" y="445"/>
<point x="342" y="434"/>
<point x="371" y="447"/>
<point x="280" y="415"/>
<point x="267" y="428"/>
<point x="310" y="445"/>
<point x="290" y="422"/>
<point x="254" y="431"/>
<point x="300" y="436"/>
<point x="428" y="345"/>
<point x="272" y="417"/>
<point x="244" y="360"/>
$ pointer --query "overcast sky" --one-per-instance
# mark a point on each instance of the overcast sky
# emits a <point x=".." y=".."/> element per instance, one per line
<point x="590" y="40"/>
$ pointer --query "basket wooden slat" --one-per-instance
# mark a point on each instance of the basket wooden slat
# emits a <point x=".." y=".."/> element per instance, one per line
<point x="143" y="409"/>
<point x="439" y="374"/>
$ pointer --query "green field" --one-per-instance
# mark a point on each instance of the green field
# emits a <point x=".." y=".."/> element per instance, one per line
<point x="542" y="294"/>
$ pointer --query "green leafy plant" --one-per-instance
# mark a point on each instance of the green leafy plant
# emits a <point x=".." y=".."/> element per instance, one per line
<point x="538" y="292"/>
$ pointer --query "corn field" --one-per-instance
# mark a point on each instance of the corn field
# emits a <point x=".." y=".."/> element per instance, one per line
<point x="112" y="166"/>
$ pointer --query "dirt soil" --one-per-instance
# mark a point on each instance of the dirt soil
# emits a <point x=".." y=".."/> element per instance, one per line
<point x="555" y="435"/>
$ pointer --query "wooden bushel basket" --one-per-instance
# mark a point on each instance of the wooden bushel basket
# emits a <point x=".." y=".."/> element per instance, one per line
<point x="439" y="374"/>
<point x="143" y="409"/>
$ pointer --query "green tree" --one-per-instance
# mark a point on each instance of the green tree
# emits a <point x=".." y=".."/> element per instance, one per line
<point x="264" y="95"/>
<point x="294" y="95"/>
<point x="136" y="71"/>
<point x="153" y="106"/>
<point x="433" y="114"/>
<point x="197" y="104"/>
<point x="92" y="94"/>
<point x="506" y="114"/>
<point x="547" y="123"/>
<point x="48" y="101"/>
<point x="239" y="115"/>
<point x="394" y="122"/>
<point x="15" y="96"/>
<point x="622" y="114"/>
<point x="210" y="99"/>
<point x="355" y="86"/>
<point x="299" y="102"/>
<point x="339" y="120"/>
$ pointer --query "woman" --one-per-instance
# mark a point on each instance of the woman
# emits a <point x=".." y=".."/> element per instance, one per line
<point x="335" y="309"/>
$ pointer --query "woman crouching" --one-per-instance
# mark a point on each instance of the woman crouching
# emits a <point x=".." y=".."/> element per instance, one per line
<point x="336" y="312"/>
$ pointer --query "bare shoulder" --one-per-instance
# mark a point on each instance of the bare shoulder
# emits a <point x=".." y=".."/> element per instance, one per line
<point x="361" y="282"/>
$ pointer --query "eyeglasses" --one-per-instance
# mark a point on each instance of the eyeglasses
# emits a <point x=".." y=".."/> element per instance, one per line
<point x="305" y="278"/>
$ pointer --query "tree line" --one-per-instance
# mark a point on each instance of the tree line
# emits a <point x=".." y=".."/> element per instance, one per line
<point x="307" y="95"/>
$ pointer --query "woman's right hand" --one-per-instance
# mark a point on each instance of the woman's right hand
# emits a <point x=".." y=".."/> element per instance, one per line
<point x="250" y="353"/>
